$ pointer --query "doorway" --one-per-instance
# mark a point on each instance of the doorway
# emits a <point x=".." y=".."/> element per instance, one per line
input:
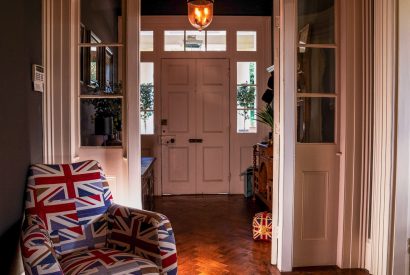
<point x="195" y="126"/>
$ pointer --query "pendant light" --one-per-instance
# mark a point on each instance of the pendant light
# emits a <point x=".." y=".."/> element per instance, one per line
<point x="200" y="13"/>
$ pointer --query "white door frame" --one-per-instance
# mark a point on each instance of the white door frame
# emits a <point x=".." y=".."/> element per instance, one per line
<point x="61" y="121"/>
<point x="288" y="15"/>
<point x="349" y="216"/>
<point x="402" y="204"/>
<point x="390" y="195"/>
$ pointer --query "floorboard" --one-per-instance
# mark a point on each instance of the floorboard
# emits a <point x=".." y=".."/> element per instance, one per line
<point x="214" y="236"/>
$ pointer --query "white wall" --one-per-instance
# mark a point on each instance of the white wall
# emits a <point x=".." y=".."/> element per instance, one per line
<point x="402" y="213"/>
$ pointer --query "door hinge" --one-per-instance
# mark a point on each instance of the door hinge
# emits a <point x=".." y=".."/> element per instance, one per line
<point x="277" y="22"/>
<point x="275" y="232"/>
<point x="229" y="177"/>
<point x="408" y="246"/>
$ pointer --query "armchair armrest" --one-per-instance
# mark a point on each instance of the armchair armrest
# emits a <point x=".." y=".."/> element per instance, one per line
<point x="143" y="233"/>
<point x="37" y="249"/>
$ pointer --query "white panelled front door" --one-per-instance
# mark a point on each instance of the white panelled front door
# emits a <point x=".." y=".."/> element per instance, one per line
<point x="195" y="126"/>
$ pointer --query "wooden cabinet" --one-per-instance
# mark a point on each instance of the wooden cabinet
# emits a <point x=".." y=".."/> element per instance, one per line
<point x="147" y="182"/>
<point x="263" y="173"/>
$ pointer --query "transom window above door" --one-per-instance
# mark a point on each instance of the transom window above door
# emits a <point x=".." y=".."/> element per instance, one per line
<point x="199" y="41"/>
<point x="194" y="41"/>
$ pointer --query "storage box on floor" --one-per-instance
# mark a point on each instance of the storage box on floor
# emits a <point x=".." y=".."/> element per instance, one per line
<point x="248" y="182"/>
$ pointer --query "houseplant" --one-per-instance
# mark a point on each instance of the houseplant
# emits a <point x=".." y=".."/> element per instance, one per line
<point x="146" y="102"/>
<point x="265" y="116"/>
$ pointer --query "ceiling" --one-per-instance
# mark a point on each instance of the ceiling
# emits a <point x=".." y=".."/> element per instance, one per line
<point x="221" y="7"/>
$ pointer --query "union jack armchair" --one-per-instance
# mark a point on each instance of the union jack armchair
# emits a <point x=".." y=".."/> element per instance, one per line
<point x="72" y="227"/>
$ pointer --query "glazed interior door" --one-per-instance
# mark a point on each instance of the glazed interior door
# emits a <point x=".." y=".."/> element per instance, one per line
<point x="317" y="163"/>
<point x="195" y="126"/>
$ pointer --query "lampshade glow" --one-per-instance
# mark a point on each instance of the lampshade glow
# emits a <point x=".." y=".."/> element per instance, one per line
<point x="200" y="13"/>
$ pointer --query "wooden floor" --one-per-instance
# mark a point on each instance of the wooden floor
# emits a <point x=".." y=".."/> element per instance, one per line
<point x="214" y="236"/>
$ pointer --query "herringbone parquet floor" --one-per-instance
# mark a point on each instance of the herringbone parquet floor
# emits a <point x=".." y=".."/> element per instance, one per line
<point x="213" y="235"/>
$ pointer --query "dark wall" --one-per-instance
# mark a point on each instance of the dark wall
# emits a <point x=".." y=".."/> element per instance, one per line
<point x="221" y="7"/>
<point x="20" y="117"/>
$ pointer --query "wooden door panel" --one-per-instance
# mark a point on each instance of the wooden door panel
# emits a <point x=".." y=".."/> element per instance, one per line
<point x="178" y="160"/>
<point x="212" y="113"/>
<point x="315" y="197"/>
<point x="178" y="112"/>
<point x="214" y="166"/>
<point x="195" y="102"/>
<point x="213" y="126"/>
<point x="316" y="205"/>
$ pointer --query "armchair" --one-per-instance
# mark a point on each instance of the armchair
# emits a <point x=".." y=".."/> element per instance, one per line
<point x="72" y="227"/>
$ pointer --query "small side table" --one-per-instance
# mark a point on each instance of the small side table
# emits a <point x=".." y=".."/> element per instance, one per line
<point x="147" y="182"/>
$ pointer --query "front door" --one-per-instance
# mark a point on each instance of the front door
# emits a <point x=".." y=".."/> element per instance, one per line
<point x="195" y="126"/>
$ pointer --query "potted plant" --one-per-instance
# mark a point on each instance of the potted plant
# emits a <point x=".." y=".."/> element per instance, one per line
<point x="107" y="117"/>
<point x="265" y="116"/>
<point x="246" y="100"/>
<point x="146" y="102"/>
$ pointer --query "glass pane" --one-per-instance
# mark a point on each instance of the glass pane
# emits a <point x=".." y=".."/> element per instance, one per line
<point x="216" y="41"/>
<point x="147" y="107"/>
<point x="316" y="120"/>
<point x="246" y="97"/>
<point x="316" y="70"/>
<point x="246" y="41"/>
<point x="316" y="21"/>
<point x="174" y="41"/>
<point x="146" y="41"/>
<point x="101" y="19"/>
<point x="246" y="73"/>
<point x="101" y="122"/>
<point x="147" y="73"/>
<point x="147" y="98"/>
<point x="195" y="41"/>
<point x="147" y="122"/>
<point x="246" y="121"/>
<point x="100" y="71"/>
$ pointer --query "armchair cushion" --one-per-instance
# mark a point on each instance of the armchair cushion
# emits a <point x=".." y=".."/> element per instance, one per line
<point x="72" y="201"/>
<point x="71" y="227"/>
<point x="37" y="250"/>
<point x="143" y="233"/>
<point x="106" y="261"/>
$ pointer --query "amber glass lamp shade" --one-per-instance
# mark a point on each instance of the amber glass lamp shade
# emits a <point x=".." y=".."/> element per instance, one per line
<point x="200" y="13"/>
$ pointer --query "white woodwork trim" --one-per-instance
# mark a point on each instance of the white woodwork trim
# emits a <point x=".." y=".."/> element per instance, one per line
<point x="400" y="252"/>
<point x="56" y="56"/>
<point x="351" y="129"/>
<point x="367" y="134"/>
<point x="288" y="33"/>
<point x="261" y="24"/>
<point x="133" y="153"/>
<point x="384" y="137"/>
<point x="74" y="81"/>
<point x="47" y="95"/>
<point x="276" y="133"/>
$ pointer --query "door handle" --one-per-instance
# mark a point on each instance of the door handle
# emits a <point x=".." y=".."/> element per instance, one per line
<point x="195" y="140"/>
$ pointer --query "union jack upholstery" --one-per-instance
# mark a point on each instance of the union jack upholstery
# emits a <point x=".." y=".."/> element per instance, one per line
<point x="72" y="227"/>
<point x="262" y="226"/>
